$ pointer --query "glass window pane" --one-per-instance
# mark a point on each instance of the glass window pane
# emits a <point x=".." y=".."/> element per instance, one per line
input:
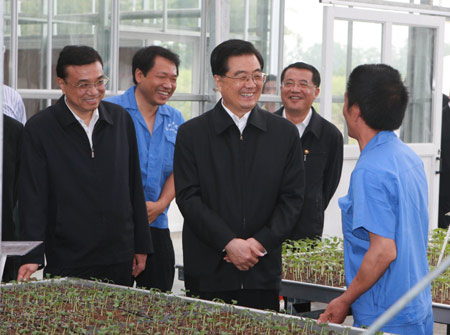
<point x="259" y="31"/>
<point x="83" y="22"/>
<point x="415" y="47"/>
<point x="32" y="34"/>
<point x="303" y="32"/>
<point x="143" y="31"/>
<point x="189" y="109"/>
<point x="6" y="40"/>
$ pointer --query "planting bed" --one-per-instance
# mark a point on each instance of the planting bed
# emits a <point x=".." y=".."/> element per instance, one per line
<point x="322" y="262"/>
<point x="84" y="307"/>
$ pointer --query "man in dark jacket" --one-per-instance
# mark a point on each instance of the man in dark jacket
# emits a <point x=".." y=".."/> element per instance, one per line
<point x="80" y="187"/>
<point x="12" y="143"/>
<point x="322" y="145"/>
<point x="239" y="182"/>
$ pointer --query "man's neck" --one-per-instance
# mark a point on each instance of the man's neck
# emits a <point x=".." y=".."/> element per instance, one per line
<point x="239" y="113"/>
<point x="296" y="116"/>
<point x="365" y="137"/>
<point x="85" y="116"/>
<point x="147" y="110"/>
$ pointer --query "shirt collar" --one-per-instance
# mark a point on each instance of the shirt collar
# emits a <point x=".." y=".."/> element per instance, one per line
<point x="305" y="120"/>
<point x="222" y="121"/>
<point x="241" y="123"/>
<point x="302" y="125"/>
<point x="94" y="118"/>
<point x="380" y="138"/>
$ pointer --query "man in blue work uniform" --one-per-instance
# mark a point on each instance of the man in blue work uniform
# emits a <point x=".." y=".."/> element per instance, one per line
<point x="385" y="213"/>
<point x="155" y="72"/>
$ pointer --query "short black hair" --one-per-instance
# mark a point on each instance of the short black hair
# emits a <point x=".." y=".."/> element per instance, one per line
<point x="230" y="48"/>
<point x="76" y="55"/>
<point x="144" y="59"/>
<point x="301" y="65"/>
<point x="379" y="92"/>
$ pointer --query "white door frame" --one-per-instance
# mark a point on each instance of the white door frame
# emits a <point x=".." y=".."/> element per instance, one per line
<point x="427" y="151"/>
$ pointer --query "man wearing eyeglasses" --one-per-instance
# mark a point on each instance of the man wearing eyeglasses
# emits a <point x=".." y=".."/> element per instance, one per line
<point x="322" y="145"/>
<point x="80" y="186"/>
<point x="155" y="73"/>
<point x="239" y="183"/>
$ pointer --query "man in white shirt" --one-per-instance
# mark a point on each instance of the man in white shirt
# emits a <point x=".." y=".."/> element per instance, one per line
<point x="13" y="105"/>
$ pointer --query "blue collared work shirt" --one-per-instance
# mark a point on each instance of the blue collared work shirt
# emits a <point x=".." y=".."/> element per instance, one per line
<point x="388" y="196"/>
<point x="156" y="149"/>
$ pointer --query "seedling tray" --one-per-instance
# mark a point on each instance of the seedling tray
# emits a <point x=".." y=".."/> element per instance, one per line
<point x="175" y="315"/>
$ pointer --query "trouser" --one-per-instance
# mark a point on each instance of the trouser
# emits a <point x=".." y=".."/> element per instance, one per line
<point x="261" y="299"/>
<point x="119" y="273"/>
<point x="160" y="266"/>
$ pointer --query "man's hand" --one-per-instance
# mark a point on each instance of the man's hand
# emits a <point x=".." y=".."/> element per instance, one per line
<point x="243" y="254"/>
<point x="256" y="247"/>
<point x="336" y="311"/>
<point x="154" y="209"/>
<point x="138" y="264"/>
<point x="26" y="270"/>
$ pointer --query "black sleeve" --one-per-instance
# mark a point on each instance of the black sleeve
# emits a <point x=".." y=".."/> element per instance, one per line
<point x="142" y="237"/>
<point x="333" y="169"/>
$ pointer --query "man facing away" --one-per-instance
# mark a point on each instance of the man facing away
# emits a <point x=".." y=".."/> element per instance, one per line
<point x="155" y="72"/>
<point x="80" y="184"/>
<point x="385" y="213"/>
<point x="322" y="145"/>
<point x="239" y="182"/>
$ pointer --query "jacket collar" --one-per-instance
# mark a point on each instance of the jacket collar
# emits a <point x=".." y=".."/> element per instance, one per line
<point x="222" y="120"/>
<point x="65" y="117"/>
<point x="315" y="124"/>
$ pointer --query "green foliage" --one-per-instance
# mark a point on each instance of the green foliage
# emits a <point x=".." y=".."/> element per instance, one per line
<point x="322" y="262"/>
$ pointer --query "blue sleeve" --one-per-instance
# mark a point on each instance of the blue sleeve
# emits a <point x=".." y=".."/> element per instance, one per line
<point x="375" y="205"/>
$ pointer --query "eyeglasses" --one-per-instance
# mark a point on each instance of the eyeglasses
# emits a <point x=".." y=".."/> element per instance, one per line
<point x="99" y="84"/>
<point x="258" y="78"/>
<point x="302" y="84"/>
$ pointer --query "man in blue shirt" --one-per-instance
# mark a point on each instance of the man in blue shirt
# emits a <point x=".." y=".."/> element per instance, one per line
<point x="155" y="72"/>
<point x="385" y="213"/>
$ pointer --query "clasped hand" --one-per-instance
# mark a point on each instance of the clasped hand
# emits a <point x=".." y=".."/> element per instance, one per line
<point x="244" y="254"/>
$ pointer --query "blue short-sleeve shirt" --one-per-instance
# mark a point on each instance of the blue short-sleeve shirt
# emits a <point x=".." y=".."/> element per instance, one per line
<point x="156" y="149"/>
<point x="388" y="196"/>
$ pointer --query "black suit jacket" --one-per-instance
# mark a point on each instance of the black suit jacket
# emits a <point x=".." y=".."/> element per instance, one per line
<point x="323" y="149"/>
<point x="12" y="143"/>
<point x="444" y="188"/>
<point x="228" y="186"/>
<point x="88" y="208"/>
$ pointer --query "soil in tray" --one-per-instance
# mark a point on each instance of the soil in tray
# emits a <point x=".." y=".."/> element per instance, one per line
<point x="70" y="308"/>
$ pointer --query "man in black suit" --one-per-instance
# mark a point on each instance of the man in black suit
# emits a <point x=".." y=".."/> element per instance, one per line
<point x="239" y="183"/>
<point x="444" y="187"/>
<point x="12" y="143"/>
<point x="80" y="185"/>
<point x="322" y="145"/>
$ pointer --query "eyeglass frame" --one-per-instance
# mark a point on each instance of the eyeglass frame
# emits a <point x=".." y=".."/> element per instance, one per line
<point x="302" y="84"/>
<point x="105" y="80"/>
<point x="248" y="76"/>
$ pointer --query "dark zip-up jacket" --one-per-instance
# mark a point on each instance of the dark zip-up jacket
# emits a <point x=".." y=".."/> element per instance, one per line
<point x="86" y="205"/>
<point x="228" y="186"/>
<point x="323" y="153"/>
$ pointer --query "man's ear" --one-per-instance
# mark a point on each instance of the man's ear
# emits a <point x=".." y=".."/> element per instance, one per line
<point x="138" y="75"/>
<point x="316" y="92"/>
<point x="62" y="84"/>
<point x="218" y="82"/>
